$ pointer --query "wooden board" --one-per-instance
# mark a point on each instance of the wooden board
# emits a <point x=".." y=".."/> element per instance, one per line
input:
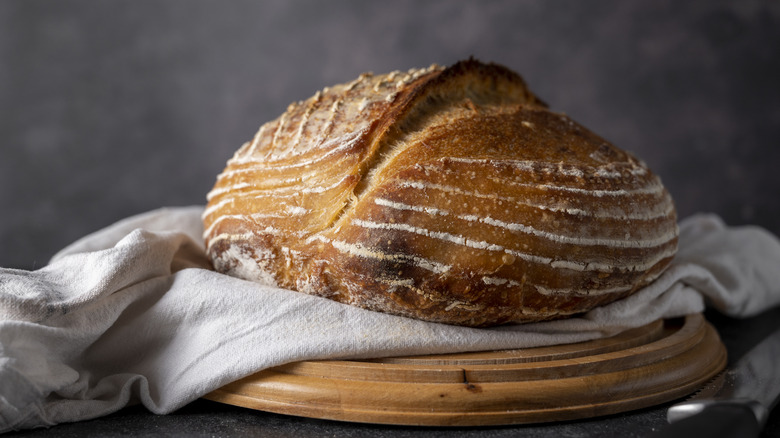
<point x="638" y="368"/>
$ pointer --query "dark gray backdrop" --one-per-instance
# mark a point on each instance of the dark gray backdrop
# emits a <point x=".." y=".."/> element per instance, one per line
<point x="112" y="108"/>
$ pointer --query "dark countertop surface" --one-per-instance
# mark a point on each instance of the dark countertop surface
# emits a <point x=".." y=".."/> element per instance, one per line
<point x="109" y="109"/>
<point x="204" y="418"/>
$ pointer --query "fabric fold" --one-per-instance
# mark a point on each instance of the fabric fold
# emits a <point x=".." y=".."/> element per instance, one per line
<point x="132" y="314"/>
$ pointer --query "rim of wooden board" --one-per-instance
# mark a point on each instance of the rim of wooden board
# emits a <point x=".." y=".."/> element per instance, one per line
<point x="638" y="368"/>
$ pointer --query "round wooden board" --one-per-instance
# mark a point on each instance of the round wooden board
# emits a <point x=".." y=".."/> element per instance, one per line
<point x="638" y="368"/>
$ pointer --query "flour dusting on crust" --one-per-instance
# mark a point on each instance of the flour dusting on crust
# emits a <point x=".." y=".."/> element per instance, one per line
<point x="250" y="264"/>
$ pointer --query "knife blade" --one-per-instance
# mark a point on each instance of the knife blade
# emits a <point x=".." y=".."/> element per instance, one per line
<point x="737" y="402"/>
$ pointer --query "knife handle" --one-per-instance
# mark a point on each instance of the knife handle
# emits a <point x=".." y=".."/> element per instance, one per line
<point x="726" y="420"/>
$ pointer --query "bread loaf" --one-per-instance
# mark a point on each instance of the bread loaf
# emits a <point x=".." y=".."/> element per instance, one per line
<point x="451" y="195"/>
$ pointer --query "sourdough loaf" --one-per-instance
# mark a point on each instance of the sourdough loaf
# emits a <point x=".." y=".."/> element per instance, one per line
<point x="446" y="194"/>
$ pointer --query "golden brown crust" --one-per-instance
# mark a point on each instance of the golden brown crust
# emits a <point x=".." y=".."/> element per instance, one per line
<point x="451" y="195"/>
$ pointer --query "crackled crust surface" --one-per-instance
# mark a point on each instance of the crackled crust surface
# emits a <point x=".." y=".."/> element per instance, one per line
<point x="446" y="194"/>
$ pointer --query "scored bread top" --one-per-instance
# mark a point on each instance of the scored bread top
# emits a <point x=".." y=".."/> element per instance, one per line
<point x="447" y="194"/>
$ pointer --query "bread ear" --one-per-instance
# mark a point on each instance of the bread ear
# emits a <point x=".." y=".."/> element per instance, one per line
<point x="451" y="195"/>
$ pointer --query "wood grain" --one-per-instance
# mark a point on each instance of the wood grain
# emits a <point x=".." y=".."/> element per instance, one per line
<point x="639" y="368"/>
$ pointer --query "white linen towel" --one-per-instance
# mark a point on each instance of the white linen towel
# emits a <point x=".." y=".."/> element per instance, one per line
<point x="131" y="314"/>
